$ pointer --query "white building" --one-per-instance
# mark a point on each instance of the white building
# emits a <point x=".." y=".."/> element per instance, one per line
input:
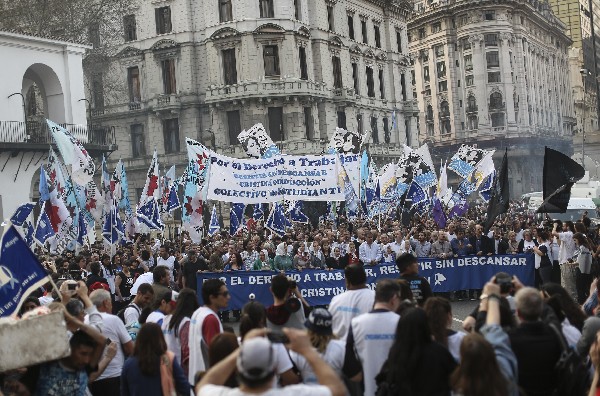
<point x="495" y="74"/>
<point x="41" y="78"/>
<point x="207" y="70"/>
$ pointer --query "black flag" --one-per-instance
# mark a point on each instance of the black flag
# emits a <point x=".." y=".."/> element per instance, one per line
<point x="499" y="199"/>
<point x="560" y="173"/>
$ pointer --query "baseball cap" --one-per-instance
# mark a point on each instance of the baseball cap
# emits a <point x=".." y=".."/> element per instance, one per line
<point x="319" y="321"/>
<point x="253" y="363"/>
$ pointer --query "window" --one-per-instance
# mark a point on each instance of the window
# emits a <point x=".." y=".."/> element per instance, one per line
<point x="303" y="66"/>
<point x="491" y="40"/>
<point x="94" y="35"/>
<point x="168" y="74"/>
<point x="494" y="77"/>
<point x="439" y="50"/>
<point x="351" y="27"/>
<point x="229" y="67"/>
<point x="133" y="83"/>
<point x="387" y="137"/>
<point x="410" y="37"/>
<point x="399" y="40"/>
<point x="458" y="83"/>
<point x="163" y="20"/>
<point x="308" y="122"/>
<point x="377" y="36"/>
<point x="466" y="44"/>
<point x="429" y="114"/>
<point x="497" y="120"/>
<point x="443" y="86"/>
<point x="359" y="124"/>
<point x="489" y="15"/>
<point x="276" y="123"/>
<point x="468" y="62"/>
<point x="381" y="84"/>
<point x="130" y="29"/>
<point x="444" y="109"/>
<point x="233" y="125"/>
<point x="412" y="77"/>
<point x="463" y="20"/>
<point x="330" y="16"/>
<point x="403" y="86"/>
<point x="436" y="27"/>
<point x="496" y="101"/>
<point x="337" y="71"/>
<point x="441" y="69"/>
<point x="138" y="144"/>
<point x="271" y="60"/>
<point x="98" y="92"/>
<point x="341" y="119"/>
<point x="424" y="54"/>
<point x="492" y="59"/>
<point x="363" y="28"/>
<point x="355" y="78"/>
<point x="374" y="131"/>
<point x="225" y="11"/>
<point x="472" y="122"/>
<point x="171" y="135"/>
<point x="471" y="104"/>
<point x="298" y="9"/>
<point x="426" y="73"/>
<point x="266" y="8"/>
<point x="469" y="80"/>
<point x="445" y="126"/>
<point x="422" y="33"/>
<point x="370" y="83"/>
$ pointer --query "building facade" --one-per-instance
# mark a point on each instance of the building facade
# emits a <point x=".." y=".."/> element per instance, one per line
<point x="207" y="70"/>
<point x="496" y="75"/>
<point x="582" y="20"/>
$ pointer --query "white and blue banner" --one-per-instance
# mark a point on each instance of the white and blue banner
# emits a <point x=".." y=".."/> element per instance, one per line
<point x="20" y="272"/>
<point x="319" y="286"/>
<point x="304" y="177"/>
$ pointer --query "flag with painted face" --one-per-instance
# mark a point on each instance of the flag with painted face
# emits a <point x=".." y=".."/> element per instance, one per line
<point x="257" y="143"/>
<point x="73" y="153"/>
<point x="484" y="168"/>
<point x="466" y="160"/>
<point x="345" y="142"/>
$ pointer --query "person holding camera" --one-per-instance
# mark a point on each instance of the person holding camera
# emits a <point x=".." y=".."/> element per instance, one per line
<point x="288" y="307"/>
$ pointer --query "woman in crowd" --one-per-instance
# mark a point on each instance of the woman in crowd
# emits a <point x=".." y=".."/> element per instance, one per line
<point x="416" y="364"/>
<point x="176" y="327"/>
<point x="335" y="261"/>
<point x="388" y="256"/>
<point x="513" y="244"/>
<point x="302" y="259"/>
<point x="526" y="244"/>
<point x="324" y="341"/>
<point x="263" y="262"/>
<point x="282" y="261"/>
<point x="235" y="263"/>
<point x="439" y="313"/>
<point x="152" y="370"/>
<point x="317" y="257"/>
<point x="352" y="256"/>
<point x="583" y="257"/>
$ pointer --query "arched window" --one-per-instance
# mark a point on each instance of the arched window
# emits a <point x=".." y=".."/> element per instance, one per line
<point x="429" y="113"/>
<point x="496" y="100"/>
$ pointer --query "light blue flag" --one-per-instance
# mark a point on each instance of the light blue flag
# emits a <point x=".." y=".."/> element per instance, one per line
<point x="20" y="272"/>
<point x="214" y="226"/>
<point x="22" y="213"/>
<point x="82" y="231"/>
<point x="124" y="203"/>
<point x="43" y="188"/>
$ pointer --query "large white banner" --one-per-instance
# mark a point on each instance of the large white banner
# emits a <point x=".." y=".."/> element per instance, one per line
<point x="250" y="181"/>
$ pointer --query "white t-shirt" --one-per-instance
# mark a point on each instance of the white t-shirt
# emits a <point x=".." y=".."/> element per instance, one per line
<point x="334" y="356"/>
<point x="295" y="390"/>
<point x="156" y="317"/>
<point x="348" y="305"/>
<point x="567" y="246"/>
<point x="146" y="277"/>
<point x="169" y="263"/>
<point x="114" y="329"/>
<point x="132" y="313"/>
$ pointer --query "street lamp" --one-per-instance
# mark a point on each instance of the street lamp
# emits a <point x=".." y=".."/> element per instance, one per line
<point x="584" y="73"/>
<point x="89" y="109"/>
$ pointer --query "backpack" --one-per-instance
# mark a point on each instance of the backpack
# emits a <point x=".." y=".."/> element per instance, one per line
<point x="121" y="313"/>
<point x="571" y="373"/>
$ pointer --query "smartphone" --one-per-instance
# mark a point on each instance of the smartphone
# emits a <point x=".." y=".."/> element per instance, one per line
<point x="277" y="337"/>
<point x="72" y="286"/>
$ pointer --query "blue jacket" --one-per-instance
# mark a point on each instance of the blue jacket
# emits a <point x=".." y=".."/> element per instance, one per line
<point x="507" y="361"/>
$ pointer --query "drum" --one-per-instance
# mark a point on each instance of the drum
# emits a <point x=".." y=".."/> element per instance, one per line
<point x="568" y="276"/>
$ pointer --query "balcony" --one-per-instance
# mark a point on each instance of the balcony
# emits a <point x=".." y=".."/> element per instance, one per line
<point x="36" y="136"/>
<point x="166" y="102"/>
<point x="266" y="89"/>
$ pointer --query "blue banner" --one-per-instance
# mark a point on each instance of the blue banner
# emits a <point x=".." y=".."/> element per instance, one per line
<point x="20" y="272"/>
<point x="319" y="286"/>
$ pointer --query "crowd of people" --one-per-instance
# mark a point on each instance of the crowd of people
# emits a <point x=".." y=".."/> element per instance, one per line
<point x="136" y="326"/>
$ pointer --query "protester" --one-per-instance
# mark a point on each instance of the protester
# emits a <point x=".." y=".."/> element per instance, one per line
<point x="409" y="271"/>
<point x="282" y="261"/>
<point x="356" y="300"/>
<point x="365" y="355"/>
<point x="288" y="309"/>
<point x="152" y="370"/>
<point x="192" y="266"/>
<point x="205" y="324"/>
<point x="255" y="365"/>
<point x="439" y="314"/>
<point x="583" y="257"/>
<point x="161" y="307"/>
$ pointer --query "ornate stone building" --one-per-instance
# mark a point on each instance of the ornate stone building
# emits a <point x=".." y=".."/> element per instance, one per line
<point x="494" y="74"/>
<point x="208" y="69"/>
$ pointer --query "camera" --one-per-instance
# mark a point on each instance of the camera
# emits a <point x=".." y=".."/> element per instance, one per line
<point x="72" y="286"/>
<point x="504" y="280"/>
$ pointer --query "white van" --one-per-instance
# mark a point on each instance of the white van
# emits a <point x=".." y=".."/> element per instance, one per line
<point x="575" y="209"/>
